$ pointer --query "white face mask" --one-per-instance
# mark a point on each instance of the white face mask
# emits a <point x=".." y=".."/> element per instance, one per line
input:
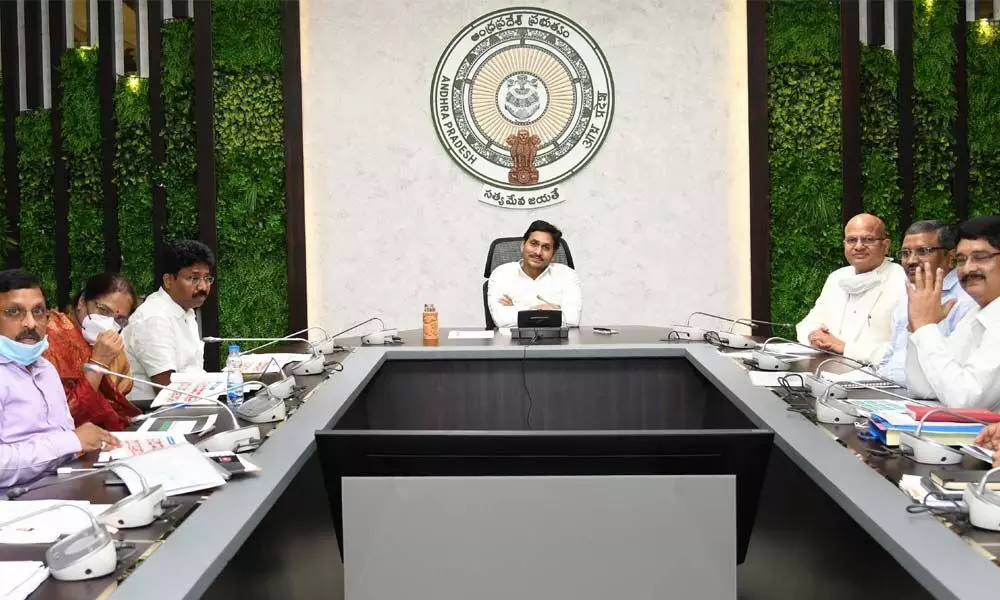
<point x="93" y="325"/>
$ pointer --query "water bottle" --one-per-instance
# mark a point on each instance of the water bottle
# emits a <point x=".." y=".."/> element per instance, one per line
<point x="234" y="377"/>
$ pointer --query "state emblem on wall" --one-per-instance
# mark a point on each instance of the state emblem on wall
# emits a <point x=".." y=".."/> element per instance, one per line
<point x="522" y="99"/>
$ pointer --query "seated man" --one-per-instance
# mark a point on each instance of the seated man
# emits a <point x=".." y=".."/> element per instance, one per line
<point x="534" y="283"/>
<point x="852" y="315"/>
<point x="932" y="244"/>
<point x="163" y="336"/>
<point x="36" y="429"/>
<point x="962" y="370"/>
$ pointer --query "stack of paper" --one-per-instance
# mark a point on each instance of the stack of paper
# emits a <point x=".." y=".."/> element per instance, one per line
<point x="887" y="425"/>
<point x="913" y="487"/>
<point x="179" y="425"/>
<point x="19" y="578"/>
<point x="136" y="442"/>
<point x="46" y="527"/>
<point x="179" y="469"/>
<point x="190" y="389"/>
<point x="770" y="378"/>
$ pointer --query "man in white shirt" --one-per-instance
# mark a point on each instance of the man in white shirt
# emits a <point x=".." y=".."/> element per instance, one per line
<point x="162" y="336"/>
<point x="853" y="314"/>
<point x="535" y="283"/>
<point x="962" y="370"/>
<point x="932" y="244"/>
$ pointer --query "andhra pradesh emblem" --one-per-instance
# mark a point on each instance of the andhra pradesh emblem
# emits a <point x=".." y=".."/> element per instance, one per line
<point x="522" y="99"/>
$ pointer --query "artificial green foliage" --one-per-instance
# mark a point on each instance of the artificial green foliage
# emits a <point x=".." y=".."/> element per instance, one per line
<point x="82" y="145"/>
<point x="804" y="152"/>
<point x="983" y="70"/>
<point x="131" y="172"/>
<point x="178" y="171"/>
<point x="6" y="241"/>
<point x="250" y="207"/>
<point x="246" y="35"/>
<point x="879" y="136"/>
<point x="33" y="131"/>
<point x="803" y="31"/>
<point x="934" y="108"/>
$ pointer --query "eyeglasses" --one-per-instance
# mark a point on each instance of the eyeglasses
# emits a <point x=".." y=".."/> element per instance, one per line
<point x="867" y="240"/>
<point x="105" y="311"/>
<point x="18" y="314"/>
<point x="921" y="252"/>
<point x="208" y="279"/>
<point x="975" y="257"/>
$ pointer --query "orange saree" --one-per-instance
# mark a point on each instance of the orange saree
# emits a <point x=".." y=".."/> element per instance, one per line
<point x="105" y="407"/>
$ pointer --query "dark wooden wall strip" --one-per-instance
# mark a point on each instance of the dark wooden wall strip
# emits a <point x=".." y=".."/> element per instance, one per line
<point x="960" y="126"/>
<point x="106" y="93"/>
<point x="60" y="195"/>
<point x="154" y="13"/>
<point x="204" y="107"/>
<point x="760" y="207"/>
<point x="904" y="53"/>
<point x="850" y="107"/>
<point x="295" y="218"/>
<point x="8" y="65"/>
<point x="33" y="52"/>
<point x="181" y="8"/>
<point x="876" y="22"/>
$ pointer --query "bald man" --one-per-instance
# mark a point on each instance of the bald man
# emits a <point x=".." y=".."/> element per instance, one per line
<point x="853" y="314"/>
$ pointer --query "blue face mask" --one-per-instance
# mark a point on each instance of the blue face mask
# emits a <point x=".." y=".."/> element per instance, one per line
<point x="22" y="354"/>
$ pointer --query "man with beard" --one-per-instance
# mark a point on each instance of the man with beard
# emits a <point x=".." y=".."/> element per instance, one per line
<point x="962" y="370"/>
<point x="36" y="429"/>
<point x="162" y="336"/>
<point x="853" y="314"/>
<point x="535" y="282"/>
<point x="931" y="244"/>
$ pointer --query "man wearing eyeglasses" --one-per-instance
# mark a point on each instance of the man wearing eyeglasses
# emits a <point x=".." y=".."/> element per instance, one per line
<point x="931" y="244"/>
<point x="163" y="336"/>
<point x="36" y="429"/>
<point x="853" y="314"/>
<point x="962" y="370"/>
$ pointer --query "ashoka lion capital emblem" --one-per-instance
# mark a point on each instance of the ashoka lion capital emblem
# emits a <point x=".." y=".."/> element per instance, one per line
<point x="523" y="147"/>
<point x="522" y="98"/>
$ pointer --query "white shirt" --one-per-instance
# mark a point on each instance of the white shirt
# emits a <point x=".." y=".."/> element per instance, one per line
<point x="557" y="284"/>
<point x="862" y="321"/>
<point x="161" y="336"/>
<point x="963" y="369"/>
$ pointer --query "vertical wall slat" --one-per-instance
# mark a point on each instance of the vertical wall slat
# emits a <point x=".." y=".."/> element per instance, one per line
<point x="876" y="22"/>
<point x="46" y="57"/>
<point x="863" y="26"/>
<point x="204" y="109"/>
<point x="850" y="108"/>
<point x="760" y="207"/>
<point x="890" y="13"/>
<point x="157" y="122"/>
<point x="180" y="9"/>
<point x="119" y="37"/>
<point x="60" y="192"/>
<point x="11" y="93"/>
<point x="904" y="53"/>
<point x="142" y="36"/>
<point x="106" y="93"/>
<point x="960" y="125"/>
<point x="295" y="219"/>
<point x="92" y="24"/>
<point x="32" y="64"/>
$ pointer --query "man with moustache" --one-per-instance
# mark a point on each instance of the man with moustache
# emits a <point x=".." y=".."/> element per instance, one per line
<point x="36" y="429"/>
<point x="535" y="282"/>
<point x="853" y="314"/>
<point x="932" y="244"/>
<point x="962" y="370"/>
<point x="162" y="336"/>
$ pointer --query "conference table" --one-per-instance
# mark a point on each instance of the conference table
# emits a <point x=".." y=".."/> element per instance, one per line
<point x="831" y="521"/>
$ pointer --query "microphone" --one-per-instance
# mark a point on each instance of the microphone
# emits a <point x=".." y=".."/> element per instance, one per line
<point x="927" y="451"/>
<point x="728" y="338"/>
<point x="86" y="554"/>
<point x="983" y="503"/>
<point x="138" y="509"/>
<point x="779" y="361"/>
<point x="314" y="365"/>
<point x="234" y="440"/>
<point x="262" y="407"/>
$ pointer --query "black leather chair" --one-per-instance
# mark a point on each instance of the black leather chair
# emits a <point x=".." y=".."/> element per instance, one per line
<point x="508" y="249"/>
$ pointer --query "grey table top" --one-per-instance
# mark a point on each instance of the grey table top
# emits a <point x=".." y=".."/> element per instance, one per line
<point x="197" y="551"/>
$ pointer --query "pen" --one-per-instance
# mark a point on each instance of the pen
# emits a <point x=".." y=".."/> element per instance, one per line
<point x="68" y="470"/>
<point x="544" y="301"/>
